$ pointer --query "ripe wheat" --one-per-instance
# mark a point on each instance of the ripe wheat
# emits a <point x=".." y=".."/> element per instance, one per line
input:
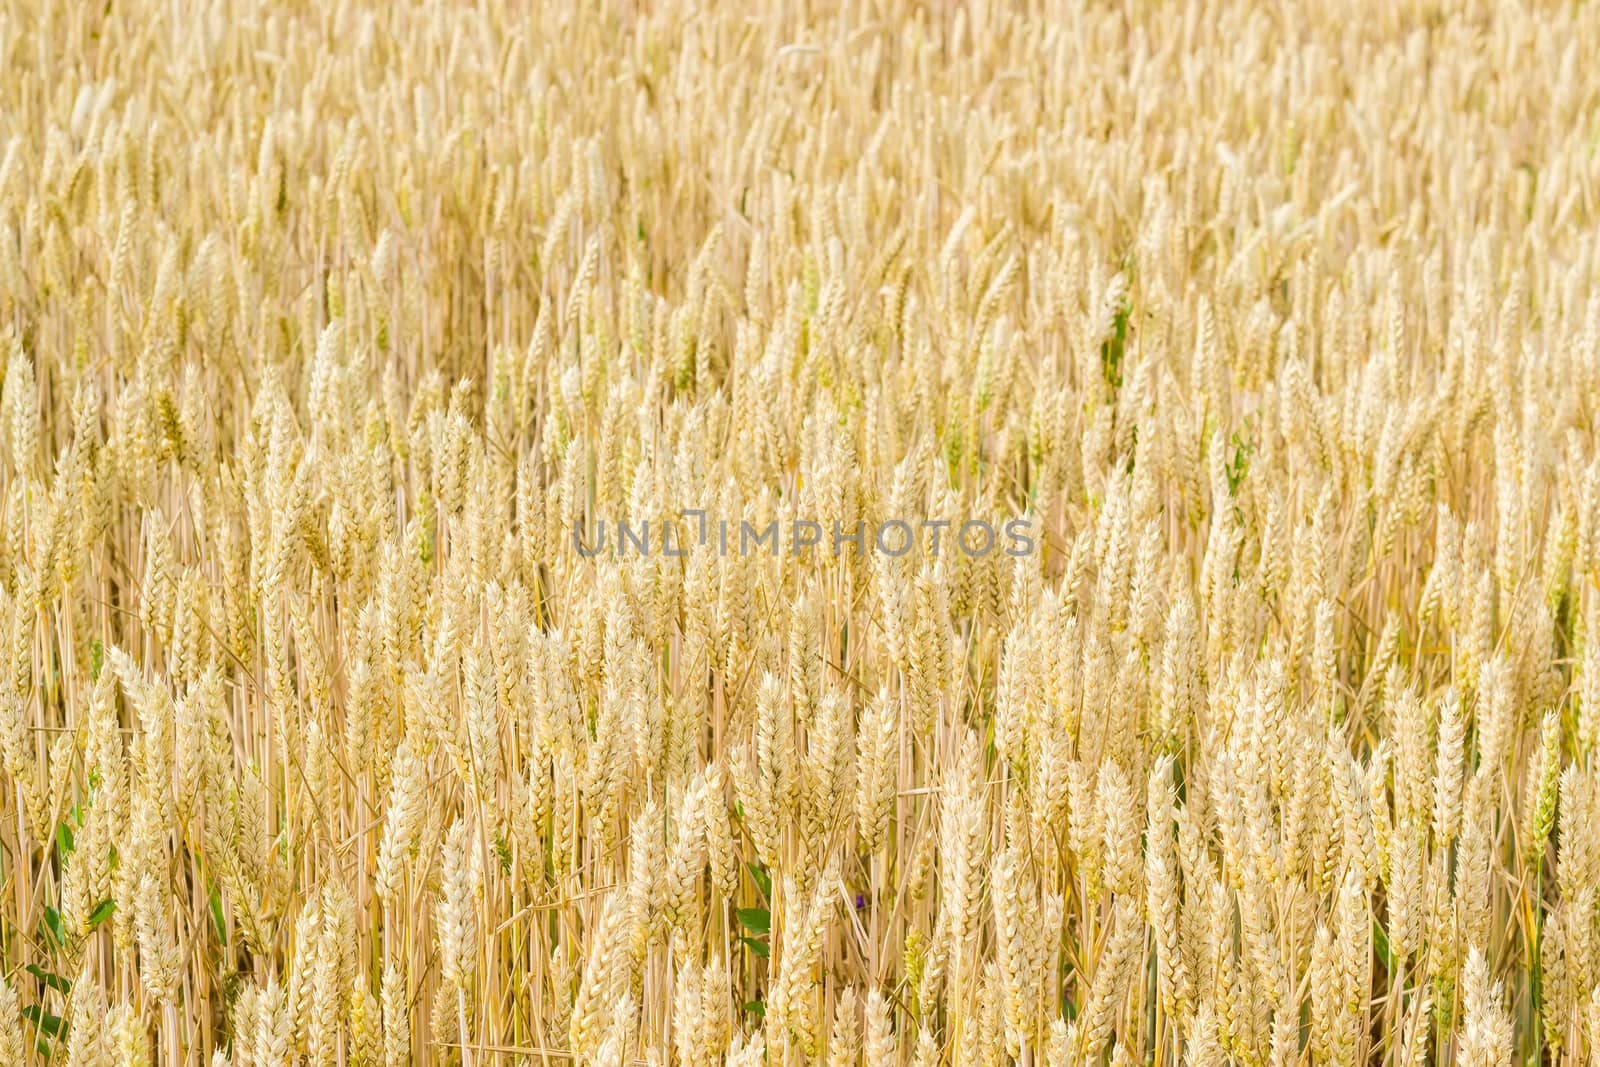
<point x="1263" y="340"/>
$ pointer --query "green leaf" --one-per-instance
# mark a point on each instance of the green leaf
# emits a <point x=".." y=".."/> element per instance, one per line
<point x="216" y="917"/>
<point x="1380" y="942"/>
<point x="54" y="981"/>
<point x="763" y="879"/>
<point x="65" y="842"/>
<point x="756" y="1008"/>
<point x="51" y="925"/>
<point x="758" y="947"/>
<point x="102" y="911"/>
<point x="44" y="1022"/>
<point x="1112" y="350"/>
<point x="502" y="851"/>
<point x="756" y="920"/>
<point x="1239" y="465"/>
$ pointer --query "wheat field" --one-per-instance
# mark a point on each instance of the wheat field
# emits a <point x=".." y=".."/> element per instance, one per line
<point x="834" y="532"/>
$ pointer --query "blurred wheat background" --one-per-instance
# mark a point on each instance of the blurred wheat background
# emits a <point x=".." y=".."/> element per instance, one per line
<point x="324" y="325"/>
